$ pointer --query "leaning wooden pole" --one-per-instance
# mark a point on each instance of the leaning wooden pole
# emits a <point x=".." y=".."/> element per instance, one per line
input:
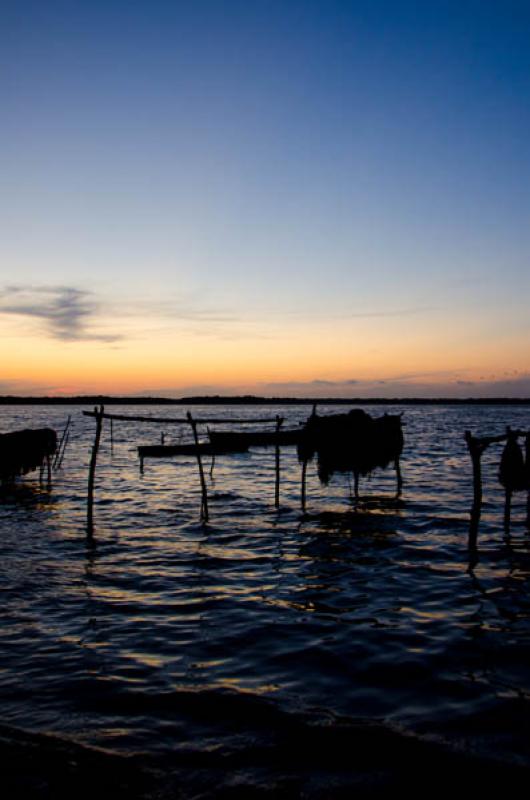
<point x="279" y="421"/>
<point x="92" y="472"/>
<point x="204" y="491"/>
<point x="65" y="444"/>
<point x="64" y="437"/>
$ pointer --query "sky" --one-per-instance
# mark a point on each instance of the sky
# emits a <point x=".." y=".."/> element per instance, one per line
<point x="276" y="197"/>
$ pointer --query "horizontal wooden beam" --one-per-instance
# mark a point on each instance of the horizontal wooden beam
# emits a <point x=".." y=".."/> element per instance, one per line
<point x="167" y="451"/>
<point x="181" y="420"/>
<point x="485" y="441"/>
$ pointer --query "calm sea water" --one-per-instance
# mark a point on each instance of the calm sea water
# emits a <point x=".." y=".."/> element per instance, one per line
<point x="169" y="634"/>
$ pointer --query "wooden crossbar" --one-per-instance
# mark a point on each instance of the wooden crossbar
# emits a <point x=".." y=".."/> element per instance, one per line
<point x="181" y="420"/>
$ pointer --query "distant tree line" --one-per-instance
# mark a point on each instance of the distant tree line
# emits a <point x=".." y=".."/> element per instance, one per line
<point x="254" y="400"/>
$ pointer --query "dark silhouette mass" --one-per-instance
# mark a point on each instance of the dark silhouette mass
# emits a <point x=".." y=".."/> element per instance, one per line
<point x="354" y="442"/>
<point x="24" y="451"/>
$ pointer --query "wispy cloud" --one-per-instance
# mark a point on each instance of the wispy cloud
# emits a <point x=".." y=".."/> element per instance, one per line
<point x="67" y="313"/>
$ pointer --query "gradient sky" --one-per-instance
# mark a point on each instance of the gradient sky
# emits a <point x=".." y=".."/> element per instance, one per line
<point x="297" y="197"/>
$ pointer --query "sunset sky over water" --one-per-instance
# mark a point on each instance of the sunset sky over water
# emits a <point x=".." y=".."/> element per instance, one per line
<point x="282" y="198"/>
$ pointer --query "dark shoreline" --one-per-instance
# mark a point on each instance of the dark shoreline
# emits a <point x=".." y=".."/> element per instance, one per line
<point x="318" y="763"/>
<point x="251" y="400"/>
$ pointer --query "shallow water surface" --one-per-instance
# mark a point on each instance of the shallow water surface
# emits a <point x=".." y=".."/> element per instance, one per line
<point x="170" y="634"/>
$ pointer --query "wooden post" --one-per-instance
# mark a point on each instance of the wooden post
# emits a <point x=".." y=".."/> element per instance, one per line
<point x="111" y="437"/>
<point x="304" y="473"/>
<point x="49" y="471"/>
<point x="527" y="465"/>
<point x="92" y="471"/>
<point x="508" y="491"/>
<point x="475" y="451"/>
<point x="204" y="504"/>
<point x="279" y="421"/>
<point x="212" y="465"/>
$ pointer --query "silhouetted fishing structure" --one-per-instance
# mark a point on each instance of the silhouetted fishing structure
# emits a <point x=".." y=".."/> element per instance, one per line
<point x="27" y="450"/>
<point x="353" y="442"/>
<point x="198" y="449"/>
<point x="514" y="472"/>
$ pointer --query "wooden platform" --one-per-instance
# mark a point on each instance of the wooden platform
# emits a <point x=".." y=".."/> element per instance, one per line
<point x="170" y="450"/>
<point x="222" y="443"/>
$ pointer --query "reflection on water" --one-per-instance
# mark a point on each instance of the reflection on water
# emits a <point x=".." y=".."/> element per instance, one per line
<point x="166" y="633"/>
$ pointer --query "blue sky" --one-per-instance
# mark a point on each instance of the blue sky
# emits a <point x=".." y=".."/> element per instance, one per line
<point x="297" y="173"/>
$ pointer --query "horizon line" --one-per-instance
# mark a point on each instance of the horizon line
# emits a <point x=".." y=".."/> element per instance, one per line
<point x="249" y="399"/>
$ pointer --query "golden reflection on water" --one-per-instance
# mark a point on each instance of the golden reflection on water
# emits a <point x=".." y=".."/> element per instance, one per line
<point x="329" y="608"/>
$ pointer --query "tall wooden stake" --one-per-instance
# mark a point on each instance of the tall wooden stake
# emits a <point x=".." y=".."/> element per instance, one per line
<point x="527" y="463"/>
<point x="475" y="451"/>
<point x="204" y="504"/>
<point x="92" y="472"/>
<point x="279" y="421"/>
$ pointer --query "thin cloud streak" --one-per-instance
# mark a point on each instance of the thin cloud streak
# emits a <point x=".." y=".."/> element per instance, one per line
<point x="66" y="311"/>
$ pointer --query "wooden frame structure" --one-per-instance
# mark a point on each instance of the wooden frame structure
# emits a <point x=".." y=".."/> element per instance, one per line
<point x="476" y="446"/>
<point x="99" y="414"/>
<point x="276" y="438"/>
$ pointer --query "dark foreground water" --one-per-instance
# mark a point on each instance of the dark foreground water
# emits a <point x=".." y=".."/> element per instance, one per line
<point x="210" y="645"/>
